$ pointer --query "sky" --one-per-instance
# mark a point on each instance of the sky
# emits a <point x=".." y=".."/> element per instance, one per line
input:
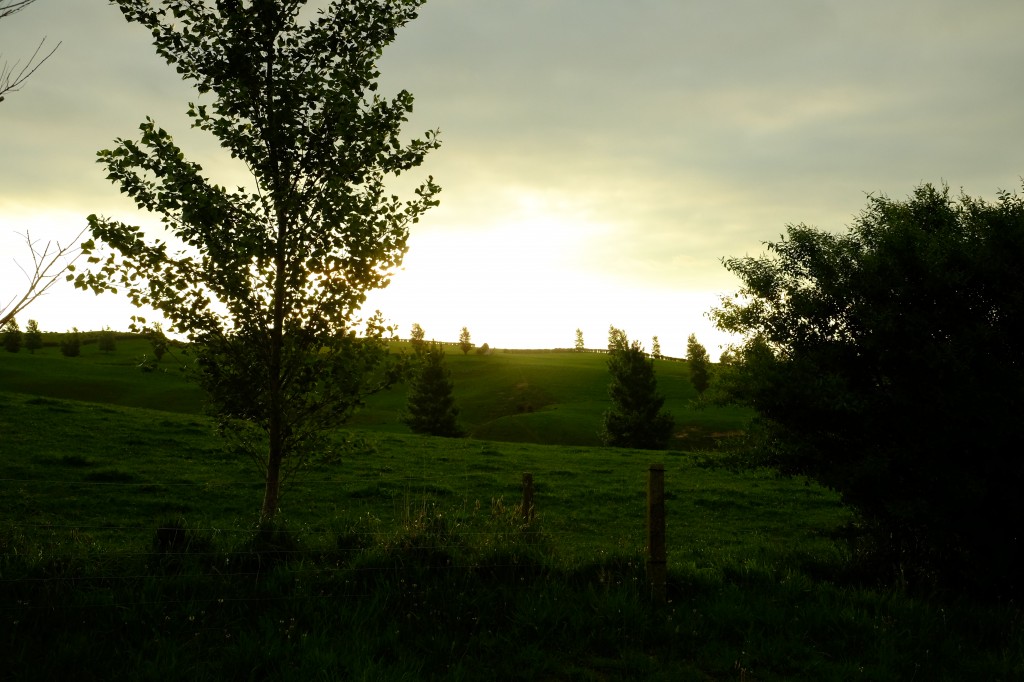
<point x="599" y="157"/>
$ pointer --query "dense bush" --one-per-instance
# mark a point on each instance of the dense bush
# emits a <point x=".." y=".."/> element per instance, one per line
<point x="12" y="336"/>
<point x="71" y="344"/>
<point x="886" y="362"/>
<point x="106" y="342"/>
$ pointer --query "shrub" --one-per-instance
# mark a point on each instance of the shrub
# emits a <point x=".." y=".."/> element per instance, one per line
<point x="71" y="344"/>
<point x="12" y="336"/>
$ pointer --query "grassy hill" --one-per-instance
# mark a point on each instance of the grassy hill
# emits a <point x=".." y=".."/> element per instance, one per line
<point x="555" y="398"/>
<point x="128" y="549"/>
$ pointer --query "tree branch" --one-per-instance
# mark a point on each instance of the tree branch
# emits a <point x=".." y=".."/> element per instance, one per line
<point x="47" y="265"/>
<point x="12" y="78"/>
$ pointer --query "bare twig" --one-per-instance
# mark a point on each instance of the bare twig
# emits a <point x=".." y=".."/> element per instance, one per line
<point x="9" y="7"/>
<point x="47" y="266"/>
<point x="11" y="77"/>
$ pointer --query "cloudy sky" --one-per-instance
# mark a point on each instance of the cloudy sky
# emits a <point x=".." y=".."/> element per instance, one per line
<point x="599" y="156"/>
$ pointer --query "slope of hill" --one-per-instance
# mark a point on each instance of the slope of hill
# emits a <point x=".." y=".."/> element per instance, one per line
<point x="539" y="397"/>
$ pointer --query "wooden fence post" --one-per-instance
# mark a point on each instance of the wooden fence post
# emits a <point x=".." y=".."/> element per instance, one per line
<point x="657" y="573"/>
<point x="527" y="497"/>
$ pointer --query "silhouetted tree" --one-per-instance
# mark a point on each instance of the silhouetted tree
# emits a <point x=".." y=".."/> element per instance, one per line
<point x="289" y="259"/>
<point x="12" y="336"/>
<point x="416" y="336"/>
<point x="430" y="408"/>
<point x="700" y="364"/>
<point x="71" y="344"/>
<point x="464" y="343"/>
<point x="635" y="418"/>
<point x="655" y="348"/>
<point x="158" y="341"/>
<point x="886" y="362"/>
<point x="579" y="341"/>
<point x="617" y="339"/>
<point x="33" y="337"/>
<point x="106" y="343"/>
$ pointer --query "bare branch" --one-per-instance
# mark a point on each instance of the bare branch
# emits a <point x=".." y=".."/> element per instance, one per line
<point x="48" y="264"/>
<point x="9" y="7"/>
<point x="11" y="77"/>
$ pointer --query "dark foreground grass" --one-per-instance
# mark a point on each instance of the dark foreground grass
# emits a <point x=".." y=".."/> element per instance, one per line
<point x="420" y="607"/>
<point x="129" y="553"/>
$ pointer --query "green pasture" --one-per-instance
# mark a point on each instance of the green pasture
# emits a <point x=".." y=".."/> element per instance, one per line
<point x="129" y="545"/>
<point x="117" y="473"/>
<point x="545" y="397"/>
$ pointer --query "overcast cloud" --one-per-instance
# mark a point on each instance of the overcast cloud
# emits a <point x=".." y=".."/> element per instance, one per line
<point x="599" y="157"/>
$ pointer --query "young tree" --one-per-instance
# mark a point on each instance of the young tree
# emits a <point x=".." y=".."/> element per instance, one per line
<point x="158" y="341"/>
<point x="700" y="364"/>
<point x="655" y="348"/>
<point x="106" y="343"/>
<point x="71" y="344"/>
<point x="431" y="407"/>
<point x="12" y="336"/>
<point x="464" y="343"/>
<point x="617" y="339"/>
<point x="416" y="336"/>
<point x="635" y="419"/>
<point x="579" y="341"/>
<point x="886" y="363"/>
<point x="269" y="280"/>
<point x="33" y="337"/>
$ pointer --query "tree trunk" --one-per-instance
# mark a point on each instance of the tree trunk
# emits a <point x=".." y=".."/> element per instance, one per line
<point x="272" y="487"/>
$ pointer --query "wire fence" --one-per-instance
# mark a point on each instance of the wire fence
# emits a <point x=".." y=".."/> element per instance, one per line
<point x="67" y="554"/>
<point x="449" y="533"/>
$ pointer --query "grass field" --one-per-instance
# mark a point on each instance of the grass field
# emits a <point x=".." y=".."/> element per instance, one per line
<point x="405" y="557"/>
<point x="553" y="398"/>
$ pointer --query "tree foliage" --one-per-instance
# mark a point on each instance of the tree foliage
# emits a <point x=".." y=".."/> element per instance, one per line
<point x="656" y="348"/>
<point x="157" y="341"/>
<point x="886" y="363"/>
<point x="580" y="347"/>
<point x="12" y="336"/>
<point x="33" y="337"/>
<point x="635" y="418"/>
<point x="700" y="364"/>
<point x="71" y="343"/>
<point x="617" y="339"/>
<point x="465" y="344"/>
<point x="431" y="406"/>
<point x="106" y="342"/>
<point x="268" y="280"/>
<point x="416" y="336"/>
